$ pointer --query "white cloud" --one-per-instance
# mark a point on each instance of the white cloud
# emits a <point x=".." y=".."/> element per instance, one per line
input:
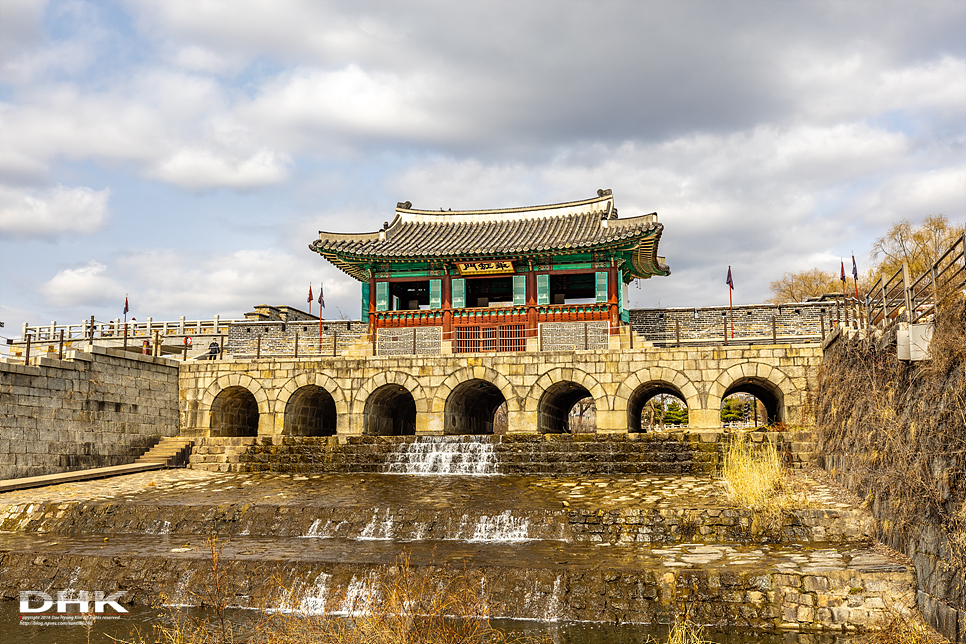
<point x="173" y="283"/>
<point x="52" y="213"/>
<point x="88" y="285"/>
<point x="199" y="169"/>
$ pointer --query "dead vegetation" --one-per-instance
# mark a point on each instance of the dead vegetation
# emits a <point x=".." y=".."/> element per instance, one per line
<point x="757" y="479"/>
<point x="895" y="432"/>
<point x="394" y="604"/>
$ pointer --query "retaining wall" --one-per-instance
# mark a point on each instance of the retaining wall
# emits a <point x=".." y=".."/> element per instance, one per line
<point x="93" y="409"/>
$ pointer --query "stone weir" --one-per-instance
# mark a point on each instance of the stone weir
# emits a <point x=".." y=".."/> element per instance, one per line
<point x="616" y="548"/>
<point x="671" y="452"/>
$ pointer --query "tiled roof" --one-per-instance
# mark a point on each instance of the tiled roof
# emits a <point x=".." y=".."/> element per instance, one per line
<point x="559" y="229"/>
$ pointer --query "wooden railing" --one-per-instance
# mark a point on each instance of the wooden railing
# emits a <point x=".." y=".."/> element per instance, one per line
<point x="900" y="297"/>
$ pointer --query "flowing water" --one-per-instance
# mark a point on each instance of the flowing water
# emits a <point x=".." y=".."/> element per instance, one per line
<point x="436" y="455"/>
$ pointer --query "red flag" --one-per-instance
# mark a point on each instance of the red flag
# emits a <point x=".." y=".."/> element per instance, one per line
<point x="728" y="281"/>
<point x="125" y="305"/>
<point x="321" y="299"/>
<point x="310" y="294"/>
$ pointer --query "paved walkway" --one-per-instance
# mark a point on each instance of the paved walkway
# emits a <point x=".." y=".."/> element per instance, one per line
<point x="482" y="493"/>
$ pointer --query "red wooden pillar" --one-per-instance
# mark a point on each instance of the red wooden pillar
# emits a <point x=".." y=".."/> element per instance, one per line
<point x="532" y="322"/>
<point x="372" y="308"/>
<point x="447" y="305"/>
<point x="613" y="298"/>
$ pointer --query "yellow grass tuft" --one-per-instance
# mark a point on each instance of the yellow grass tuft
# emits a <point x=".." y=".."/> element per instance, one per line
<point x="756" y="479"/>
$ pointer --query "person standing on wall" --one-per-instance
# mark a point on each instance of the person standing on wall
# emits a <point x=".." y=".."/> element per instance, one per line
<point x="213" y="350"/>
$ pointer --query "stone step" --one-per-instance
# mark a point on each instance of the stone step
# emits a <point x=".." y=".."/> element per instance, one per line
<point x="642" y="525"/>
<point x="759" y="586"/>
<point x="171" y="451"/>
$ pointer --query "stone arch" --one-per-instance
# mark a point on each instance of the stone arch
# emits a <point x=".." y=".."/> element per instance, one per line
<point x="234" y="413"/>
<point x="310" y="379"/>
<point x="560" y="374"/>
<point x="640" y="386"/>
<point x="244" y="381"/>
<point x="769" y="384"/>
<point x="555" y="393"/>
<point x="460" y="376"/>
<point x="359" y="400"/>
<point x="390" y="411"/>
<point x="471" y="406"/>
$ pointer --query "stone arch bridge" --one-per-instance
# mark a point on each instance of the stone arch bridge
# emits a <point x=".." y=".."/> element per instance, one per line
<point x="457" y="394"/>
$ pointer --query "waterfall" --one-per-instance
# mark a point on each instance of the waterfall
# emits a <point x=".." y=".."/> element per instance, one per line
<point x="502" y="528"/>
<point x="429" y="455"/>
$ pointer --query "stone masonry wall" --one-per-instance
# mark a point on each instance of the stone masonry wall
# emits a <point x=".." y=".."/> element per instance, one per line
<point x="702" y="375"/>
<point x="93" y="409"/>
<point x="278" y="338"/>
<point x="793" y="322"/>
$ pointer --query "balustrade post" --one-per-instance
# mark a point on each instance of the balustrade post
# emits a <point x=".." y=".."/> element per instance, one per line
<point x="60" y="350"/>
<point x="91" y="341"/>
<point x="296" y="345"/>
<point x="907" y="291"/>
<point x="26" y="355"/>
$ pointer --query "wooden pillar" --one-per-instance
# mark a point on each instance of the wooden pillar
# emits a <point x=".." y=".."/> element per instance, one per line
<point x="613" y="298"/>
<point x="447" y="305"/>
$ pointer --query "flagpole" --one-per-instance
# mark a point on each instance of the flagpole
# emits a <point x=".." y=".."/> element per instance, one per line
<point x="731" y="305"/>
<point x="320" y="321"/>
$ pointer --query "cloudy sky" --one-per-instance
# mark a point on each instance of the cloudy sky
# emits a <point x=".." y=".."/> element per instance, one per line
<point x="186" y="152"/>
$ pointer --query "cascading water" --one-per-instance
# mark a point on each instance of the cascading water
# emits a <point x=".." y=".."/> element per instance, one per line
<point x="435" y="455"/>
<point x="502" y="528"/>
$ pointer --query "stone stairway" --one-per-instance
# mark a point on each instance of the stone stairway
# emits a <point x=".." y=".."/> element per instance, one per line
<point x="171" y="451"/>
<point x="677" y="452"/>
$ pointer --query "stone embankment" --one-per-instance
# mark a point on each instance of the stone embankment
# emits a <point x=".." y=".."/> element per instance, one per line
<point x="96" y="408"/>
<point x="672" y="452"/>
<point x="611" y="548"/>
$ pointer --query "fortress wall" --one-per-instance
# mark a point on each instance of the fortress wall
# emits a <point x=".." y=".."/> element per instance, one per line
<point x="278" y="336"/>
<point x="93" y="409"/>
<point x="701" y="374"/>
<point x="755" y="320"/>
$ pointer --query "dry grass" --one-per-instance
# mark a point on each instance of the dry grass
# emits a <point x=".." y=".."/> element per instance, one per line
<point x="757" y="479"/>
<point x="895" y="432"/>
<point x="397" y="604"/>
<point x="684" y="631"/>
<point x="402" y="604"/>
<point x="903" y="630"/>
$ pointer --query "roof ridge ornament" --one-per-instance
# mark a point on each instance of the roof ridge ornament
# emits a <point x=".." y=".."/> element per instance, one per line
<point x="404" y="205"/>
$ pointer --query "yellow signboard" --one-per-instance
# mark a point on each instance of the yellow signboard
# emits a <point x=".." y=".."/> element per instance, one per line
<point x="484" y="268"/>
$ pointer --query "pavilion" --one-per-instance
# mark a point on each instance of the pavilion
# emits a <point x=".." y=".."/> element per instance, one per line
<point x="510" y="279"/>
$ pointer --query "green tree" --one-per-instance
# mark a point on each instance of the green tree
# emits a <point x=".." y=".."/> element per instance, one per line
<point x="732" y="411"/>
<point x="675" y="414"/>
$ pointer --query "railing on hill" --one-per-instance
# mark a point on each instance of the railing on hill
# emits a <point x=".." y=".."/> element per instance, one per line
<point x="900" y="297"/>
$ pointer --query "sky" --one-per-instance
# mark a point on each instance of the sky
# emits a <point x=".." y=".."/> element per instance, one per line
<point x="184" y="153"/>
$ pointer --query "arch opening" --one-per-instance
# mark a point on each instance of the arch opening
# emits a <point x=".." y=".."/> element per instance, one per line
<point x="390" y="411"/>
<point x="656" y="405"/>
<point x="471" y="408"/>
<point x="751" y="402"/>
<point x="566" y="407"/>
<point x="310" y="412"/>
<point x="234" y="412"/>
